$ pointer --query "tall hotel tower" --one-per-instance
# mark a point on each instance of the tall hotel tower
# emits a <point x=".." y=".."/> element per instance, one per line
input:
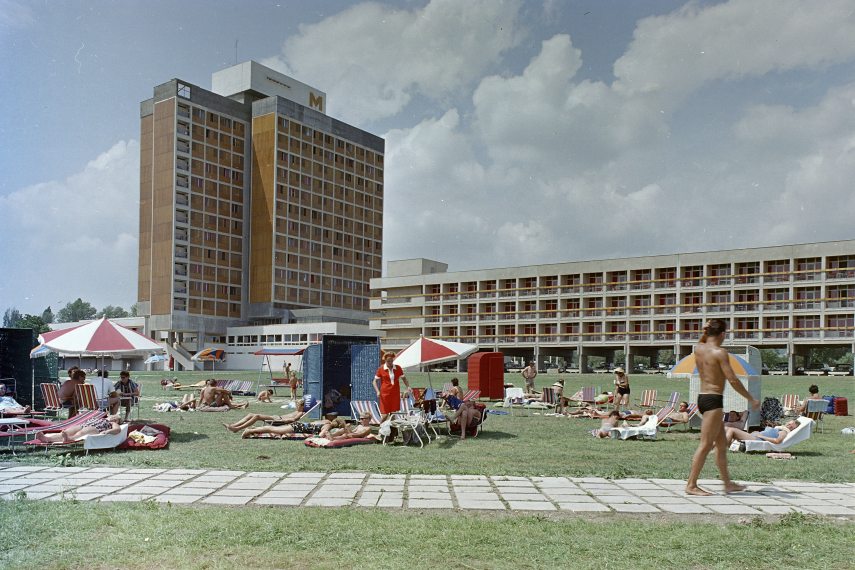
<point x="253" y="203"/>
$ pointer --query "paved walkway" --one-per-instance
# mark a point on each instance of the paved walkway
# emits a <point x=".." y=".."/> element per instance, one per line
<point x="464" y="492"/>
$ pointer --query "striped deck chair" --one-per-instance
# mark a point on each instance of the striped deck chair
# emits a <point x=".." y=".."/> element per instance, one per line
<point x="471" y="395"/>
<point x="87" y="399"/>
<point x="53" y="427"/>
<point x="692" y="411"/>
<point x="50" y="396"/>
<point x="370" y="406"/>
<point x="791" y="404"/>
<point x="648" y="399"/>
<point x="548" y="400"/>
<point x="304" y="417"/>
<point x="417" y="393"/>
<point x="672" y="400"/>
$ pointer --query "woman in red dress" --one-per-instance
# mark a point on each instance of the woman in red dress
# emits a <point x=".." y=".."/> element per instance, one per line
<point x="387" y="385"/>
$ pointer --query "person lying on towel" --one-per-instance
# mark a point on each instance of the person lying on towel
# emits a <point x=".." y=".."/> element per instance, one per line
<point x="360" y="430"/>
<point x="331" y="420"/>
<point x="109" y="425"/>
<point x="774" y="435"/>
<point x="250" y="419"/>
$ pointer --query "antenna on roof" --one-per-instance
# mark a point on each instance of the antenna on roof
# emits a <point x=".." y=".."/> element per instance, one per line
<point x="236" y="43"/>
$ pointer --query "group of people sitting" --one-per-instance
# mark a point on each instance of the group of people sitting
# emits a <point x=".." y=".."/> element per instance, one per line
<point x="123" y="393"/>
<point x="211" y="399"/>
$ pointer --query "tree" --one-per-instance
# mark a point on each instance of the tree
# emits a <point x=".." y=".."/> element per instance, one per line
<point x="135" y="310"/>
<point x="74" y="311"/>
<point x="112" y="312"/>
<point x="11" y="317"/>
<point x="47" y="315"/>
<point x="32" y="322"/>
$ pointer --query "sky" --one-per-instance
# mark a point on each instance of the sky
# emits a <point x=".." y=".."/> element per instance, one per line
<point x="517" y="132"/>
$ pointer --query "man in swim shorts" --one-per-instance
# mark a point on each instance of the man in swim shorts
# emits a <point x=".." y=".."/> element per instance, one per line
<point x="714" y="368"/>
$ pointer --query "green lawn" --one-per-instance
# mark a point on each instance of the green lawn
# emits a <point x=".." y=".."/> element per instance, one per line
<point x="150" y="535"/>
<point x="509" y="445"/>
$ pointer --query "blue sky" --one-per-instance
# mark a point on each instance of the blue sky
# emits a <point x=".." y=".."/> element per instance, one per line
<point x="516" y="132"/>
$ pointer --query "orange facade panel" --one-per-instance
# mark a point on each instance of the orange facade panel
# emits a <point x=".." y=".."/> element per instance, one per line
<point x="162" y="209"/>
<point x="263" y="207"/>
<point x="146" y="159"/>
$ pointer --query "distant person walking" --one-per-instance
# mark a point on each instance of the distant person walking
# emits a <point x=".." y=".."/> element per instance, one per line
<point x="714" y="367"/>
<point x="621" y="388"/>
<point x="529" y="373"/>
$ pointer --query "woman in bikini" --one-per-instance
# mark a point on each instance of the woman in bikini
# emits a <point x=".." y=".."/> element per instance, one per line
<point x="108" y="425"/>
<point x="621" y="388"/>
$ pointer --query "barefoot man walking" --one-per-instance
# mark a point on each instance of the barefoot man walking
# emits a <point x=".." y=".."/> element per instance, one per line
<point x="714" y="368"/>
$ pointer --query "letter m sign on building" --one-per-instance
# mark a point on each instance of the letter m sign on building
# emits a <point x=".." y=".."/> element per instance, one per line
<point x="316" y="101"/>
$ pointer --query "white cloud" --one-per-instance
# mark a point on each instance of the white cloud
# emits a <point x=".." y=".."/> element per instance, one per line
<point x="373" y="59"/>
<point x="76" y="237"/>
<point x="673" y="55"/>
<point x="561" y="168"/>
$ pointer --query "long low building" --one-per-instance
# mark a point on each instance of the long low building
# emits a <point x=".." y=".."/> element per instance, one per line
<point x="792" y="297"/>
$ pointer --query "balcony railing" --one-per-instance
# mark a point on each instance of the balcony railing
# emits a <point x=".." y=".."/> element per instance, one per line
<point x="745" y="306"/>
<point x="718" y="281"/>
<point x="840" y="274"/>
<point x="812" y="304"/>
<point x="639" y="311"/>
<point x="840" y="304"/>
<point x="806" y="333"/>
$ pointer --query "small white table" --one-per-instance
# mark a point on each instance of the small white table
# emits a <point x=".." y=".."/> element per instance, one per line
<point x="13" y="423"/>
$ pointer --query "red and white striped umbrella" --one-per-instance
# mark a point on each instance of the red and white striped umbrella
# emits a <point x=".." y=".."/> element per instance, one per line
<point x="431" y="351"/>
<point x="98" y="337"/>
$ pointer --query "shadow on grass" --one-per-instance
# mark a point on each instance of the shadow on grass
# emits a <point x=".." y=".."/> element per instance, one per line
<point x="184" y="437"/>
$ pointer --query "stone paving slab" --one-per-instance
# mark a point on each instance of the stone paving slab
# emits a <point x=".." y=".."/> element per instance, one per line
<point x="429" y="492"/>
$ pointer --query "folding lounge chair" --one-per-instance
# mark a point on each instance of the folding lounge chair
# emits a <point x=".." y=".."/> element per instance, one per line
<point x="370" y="406"/>
<point x="300" y="419"/>
<point x="50" y="396"/>
<point x="89" y="442"/>
<point x="52" y="428"/>
<point x="514" y="399"/>
<point x="648" y="399"/>
<point x="87" y="399"/>
<point x="790" y="403"/>
<point x="692" y="411"/>
<point x="801" y="433"/>
<point x="413" y="418"/>
<point x="646" y="429"/>
<point x="471" y="395"/>
<point x="550" y="398"/>
<point x="815" y="410"/>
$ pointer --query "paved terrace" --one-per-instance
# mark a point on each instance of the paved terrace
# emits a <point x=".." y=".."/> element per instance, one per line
<point x="438" y="492"/>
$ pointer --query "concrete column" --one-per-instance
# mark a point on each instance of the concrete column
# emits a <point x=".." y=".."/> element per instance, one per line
<point x="628" y="360"/>
<point x="791" y="359"/>
<point x="583" y="360"/>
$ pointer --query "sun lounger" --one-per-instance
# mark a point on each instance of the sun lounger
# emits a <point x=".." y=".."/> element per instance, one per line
<point x="471" y="395"/>
<point x="648" y="428"/>
<point x="790" y="403"/>
<point x="87" y="399"/>
<point x="801" y="433"/>
<point x="648" y="399"/>
<point x="53" y="427"/>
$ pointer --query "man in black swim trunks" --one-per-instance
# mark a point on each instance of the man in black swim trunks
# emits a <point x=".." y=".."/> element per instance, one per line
<point x="714" y="368"/>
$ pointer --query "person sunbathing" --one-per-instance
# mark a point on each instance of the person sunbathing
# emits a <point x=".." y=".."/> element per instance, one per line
<point x="606" y="427"/>
<point x="680" y="415"/>
<point x="813" y="390"/>
<point x="108" y="425"/>
<point x="774" y="435"/>
<point x="360" y="430"/>
<point x="734" y="419"/>
<point x="250" y="419"/>
<point x="213" y="397"/>
<point x="313" y="428"/>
